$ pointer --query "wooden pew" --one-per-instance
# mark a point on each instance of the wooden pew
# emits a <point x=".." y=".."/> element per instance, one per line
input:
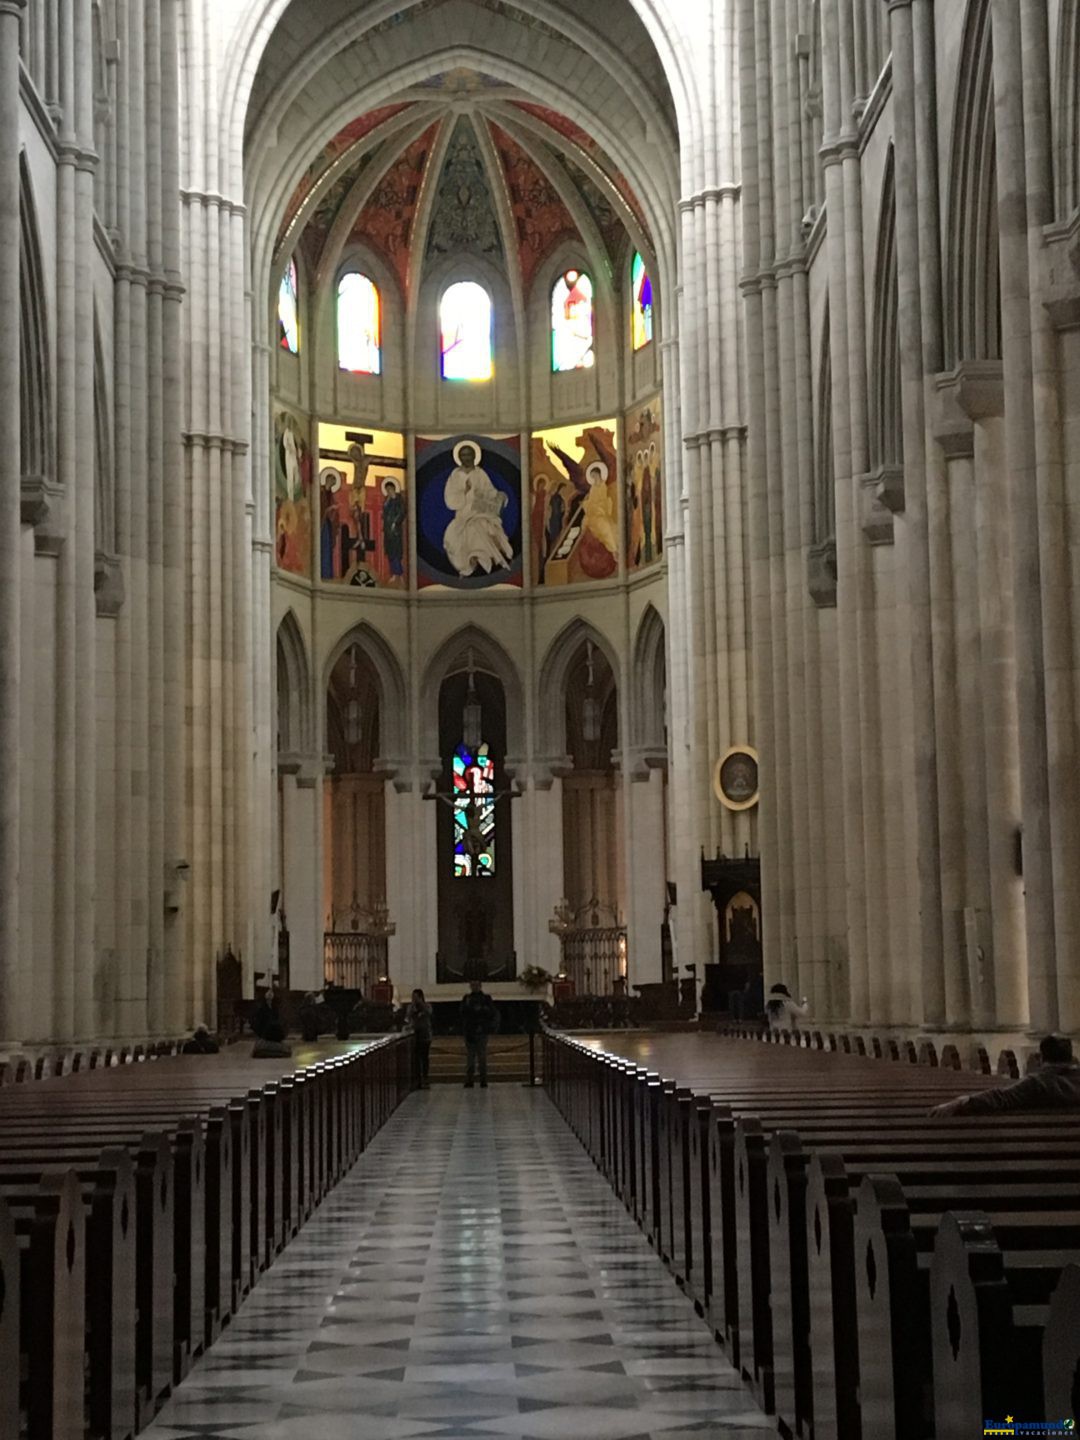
<point x="992" y="1280"/>
<point x="754" y="1305"/>
<point x="230" y="1182"/>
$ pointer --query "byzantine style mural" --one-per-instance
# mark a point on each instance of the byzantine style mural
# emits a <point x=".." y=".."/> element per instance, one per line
<point x="468" y="508"/>
<point x="292" y="494"/>
<point x="363" y="507"/>
<point x="644" y="485"/>
<point x="574" y="511"/>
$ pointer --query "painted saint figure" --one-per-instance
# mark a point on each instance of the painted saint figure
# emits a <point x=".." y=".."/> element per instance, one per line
<point x="600" y="508"/>
<point x="393" y="519"/>
<point x="537" y="521"/>
<point x="476" y="536"/>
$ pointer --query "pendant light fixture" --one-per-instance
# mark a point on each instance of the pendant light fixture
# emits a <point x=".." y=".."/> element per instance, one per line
<point x="590" y="710"/>
<point x="472" y="716"/>
<point x="354" y="719"/>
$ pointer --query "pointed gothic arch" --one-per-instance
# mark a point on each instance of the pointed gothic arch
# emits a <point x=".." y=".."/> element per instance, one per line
<point x="886" y="416"/>
<point x="1068" y="117"/>
<point x="554" y="674"/>
<point x="393" y="703"/>
<point x="973" y="283"/>
<point x="649" y="681"/>
<point x="293" y="688"/>
<point x="37" y="458"/>
<point x="452" y="658"/>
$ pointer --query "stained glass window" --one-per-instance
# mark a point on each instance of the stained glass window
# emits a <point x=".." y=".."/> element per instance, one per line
<point x="474" y="813"/>
<point x="465" y="323"/>
<point x="572" y="322"/>
<point x="641" y="299"/>
<point x="359" y="319"/>
<point x="288" y="309"/>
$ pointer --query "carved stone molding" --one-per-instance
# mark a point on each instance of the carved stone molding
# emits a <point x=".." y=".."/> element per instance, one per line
<point x="821" y="573"/>
<point x="639" y="761"/>
<point x="108" y="585"/>
<point x="877" y="518"/>
<point x="974" y="391"/>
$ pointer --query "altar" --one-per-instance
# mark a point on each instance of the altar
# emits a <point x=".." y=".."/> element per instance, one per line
<point x="519" y="1009"/>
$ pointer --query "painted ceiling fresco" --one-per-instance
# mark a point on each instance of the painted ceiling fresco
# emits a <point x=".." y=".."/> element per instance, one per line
<point x="463" y="216"/>
<point x="346" y="137"/>
<point x="603" y="212"/>
<point x="541" y="218"/>
<point x="485" y="171"/>
<point x="386" y="221"/>
<point x="574" y="133"/>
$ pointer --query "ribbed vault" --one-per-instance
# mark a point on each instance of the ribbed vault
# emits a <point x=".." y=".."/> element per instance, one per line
<point x="356" y="115"/>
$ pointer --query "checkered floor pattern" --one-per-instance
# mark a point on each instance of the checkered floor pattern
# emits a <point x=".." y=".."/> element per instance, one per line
<point x="473" y="1277"/>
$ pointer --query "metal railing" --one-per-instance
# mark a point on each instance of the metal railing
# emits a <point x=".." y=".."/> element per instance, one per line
<point x="353" y="960"/>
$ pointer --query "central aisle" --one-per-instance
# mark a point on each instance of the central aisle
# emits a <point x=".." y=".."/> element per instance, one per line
<point x="473" y="1276"/>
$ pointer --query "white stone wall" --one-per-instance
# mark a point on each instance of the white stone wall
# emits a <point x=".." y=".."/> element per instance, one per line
<point x="913" y="710"/>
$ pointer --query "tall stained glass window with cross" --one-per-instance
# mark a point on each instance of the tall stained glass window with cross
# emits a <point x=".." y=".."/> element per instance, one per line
<point x="474" y="812"/>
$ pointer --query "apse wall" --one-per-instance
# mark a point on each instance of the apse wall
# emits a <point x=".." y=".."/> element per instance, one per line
<point x="532" y="615"/>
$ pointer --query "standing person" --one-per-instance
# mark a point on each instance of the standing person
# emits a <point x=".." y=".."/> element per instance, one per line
<point x="418" y="1019"/>
<point x="479" y="1019"/>
<point x="782" y="1011"/>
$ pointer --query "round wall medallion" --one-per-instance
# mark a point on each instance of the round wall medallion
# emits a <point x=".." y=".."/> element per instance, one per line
<point x="735" y="779"/>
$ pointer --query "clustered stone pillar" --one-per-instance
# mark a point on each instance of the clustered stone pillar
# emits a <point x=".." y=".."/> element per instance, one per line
<point x="707" y="556"/>
<point x="10" y="518"/>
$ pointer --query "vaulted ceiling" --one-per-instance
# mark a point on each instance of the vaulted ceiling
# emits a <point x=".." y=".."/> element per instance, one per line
<point x="449" y="126"/>
<point x="463" y="164"/>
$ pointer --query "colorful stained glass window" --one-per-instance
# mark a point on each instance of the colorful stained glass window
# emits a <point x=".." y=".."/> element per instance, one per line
<point x="572" y="324"/>
<point x="641" y="298"/>
<point x="465" y="324"/>
<point x="474" y="813"/>
<point x="359" y="320"/>
<point x="288" y="309"/>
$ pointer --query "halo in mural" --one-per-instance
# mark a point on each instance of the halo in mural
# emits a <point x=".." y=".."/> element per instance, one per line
<point x="574" y="514"/>
<point x="364" y="515"/>
<point x="468" y="511"/>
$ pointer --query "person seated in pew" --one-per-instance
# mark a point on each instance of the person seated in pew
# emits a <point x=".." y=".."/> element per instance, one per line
<point x="781" y="1010"/>
<point x="201" y="1043"/>
<point x="271" y="1043"/>
<point x="1055" y="1085"/>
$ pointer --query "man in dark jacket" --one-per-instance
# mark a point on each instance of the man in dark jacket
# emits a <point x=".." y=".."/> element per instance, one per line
<point x="479" y="1018"/>
<point x="1055" y="1085"/>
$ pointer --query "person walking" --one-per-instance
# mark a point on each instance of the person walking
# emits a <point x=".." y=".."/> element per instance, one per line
<point x="781" y="1010"/>
<point x="479" y="1019"/>
<point x="418" y="1019"/>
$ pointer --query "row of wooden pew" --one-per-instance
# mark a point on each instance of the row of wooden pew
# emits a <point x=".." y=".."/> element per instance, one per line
<point x="884" y="1047"/>
<point x="138" y="1206"/>
<point x="55" y="1064"/>
<point x="872" y="1272"/>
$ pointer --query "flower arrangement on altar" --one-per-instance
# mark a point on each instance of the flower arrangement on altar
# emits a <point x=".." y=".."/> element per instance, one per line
<point x="535" y="977"/>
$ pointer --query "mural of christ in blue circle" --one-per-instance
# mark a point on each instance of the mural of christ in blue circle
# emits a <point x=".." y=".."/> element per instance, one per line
<point x="468" y="506"/>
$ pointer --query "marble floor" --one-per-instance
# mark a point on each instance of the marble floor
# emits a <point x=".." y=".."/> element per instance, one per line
<point x="473" y="1276"/>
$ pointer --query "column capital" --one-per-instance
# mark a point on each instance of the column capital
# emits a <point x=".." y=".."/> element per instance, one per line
<point x="12" y="7"/>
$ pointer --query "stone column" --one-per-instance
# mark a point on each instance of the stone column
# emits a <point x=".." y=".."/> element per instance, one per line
<point x="916" y="252"/>
<point x="301" y="851"/>
<point x="10" y="525"/>
<point x="1048" y="388"/>
<point x="647" y="888"/>
<point x="1020" y="443"/>
<point x="407" y="958"/>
